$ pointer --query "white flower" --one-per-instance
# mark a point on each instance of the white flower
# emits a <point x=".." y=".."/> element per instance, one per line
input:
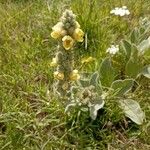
<point x="120" y="11"/>
<point x="113" y="49"/>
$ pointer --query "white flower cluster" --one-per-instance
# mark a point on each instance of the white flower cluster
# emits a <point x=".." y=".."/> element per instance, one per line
<point x="113" y="49"/>
<point x="120" y="11"/>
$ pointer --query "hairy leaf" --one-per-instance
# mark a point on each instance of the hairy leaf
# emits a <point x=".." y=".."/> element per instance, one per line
<point x="144" y="45"/>
<point x="132" y="110"/>
<point x="146" y="71"/>
<point x="122" y="86"/>
<point x="83" y="82"/>
<point x="134" y="35"/>
<point x="134" y="64"/>
<point x="127" y="48"/>
<point x="98" y="104"/>
<point x="94" y="79"/>
<point x="107" y="72"/>
<point x="133" y="68"/>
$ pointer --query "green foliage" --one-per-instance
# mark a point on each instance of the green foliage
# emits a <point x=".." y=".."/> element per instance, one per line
<point x="87" y="96"/>
<point x="107" y="72"/>
<point x="111" y="88"/>
<point x="94" y="79"/>
<point x="144" y="46"/>
<point x="127" y="48"/>
<point x="96" y="105"/>
<point x="134" y="52"/>
<point x="134" y="64"/>
<point x="121" y="87"/>
<point x="132" y="110"/>
<point x="133" y="67"/>
<point x="146" y="71"/>
<point x="134" y="35"/>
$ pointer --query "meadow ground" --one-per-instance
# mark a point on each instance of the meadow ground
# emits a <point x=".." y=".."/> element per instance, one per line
<point x="31" y="118"/>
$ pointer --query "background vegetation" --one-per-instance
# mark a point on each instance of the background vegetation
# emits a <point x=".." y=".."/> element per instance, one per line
<point x="31" y="118"/>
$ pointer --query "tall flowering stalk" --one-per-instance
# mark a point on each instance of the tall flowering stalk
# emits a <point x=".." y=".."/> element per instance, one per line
<point x="67" y="31"/>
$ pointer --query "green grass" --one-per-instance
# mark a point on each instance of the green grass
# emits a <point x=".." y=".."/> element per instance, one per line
<point x="30" y="118"/>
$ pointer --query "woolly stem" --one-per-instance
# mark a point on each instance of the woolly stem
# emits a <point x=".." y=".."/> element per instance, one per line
<point x="65" y="65"/>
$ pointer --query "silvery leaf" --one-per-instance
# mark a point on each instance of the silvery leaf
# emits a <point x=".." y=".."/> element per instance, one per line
<point x="132" y="110"/>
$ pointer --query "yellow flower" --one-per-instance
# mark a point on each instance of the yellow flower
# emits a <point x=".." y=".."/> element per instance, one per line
<point x="67" y="42"/>
<point x="56" y="34"/>
<point x="78" y="35"/>
<point x="74" y="75"/>
<point x="58" y="75"/>
<point x="54" y="62"/>
<point x="58" y="31"/>
<point x="87" y="60"/>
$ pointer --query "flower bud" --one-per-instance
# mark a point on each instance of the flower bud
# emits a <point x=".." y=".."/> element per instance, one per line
<point x="58" y="75"/>
<point x="87" y="60"/>
<point x="58" y="31"/>
<point x="77" y="24"/>
<point x="54" y="62"/>
<point x="65" y="86"/>
<point x="78" y="35"/>
<point x="56" y="34"/>
<point x="74" y="75"/>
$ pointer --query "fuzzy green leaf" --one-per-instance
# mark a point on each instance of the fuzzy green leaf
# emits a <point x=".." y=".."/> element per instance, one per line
<point x="134" y="35"/>
<point x="146" y="71"/>
<point x="133" y="67"/>
<point x="83" y="82"/>
<point x="94" y="79"/>
<point x="132" y="110"/>
<point x="107" y="72"/>
<point x="144" y="45"/>
<point x="122" y="86"/>
<point x="98" y="104"/>
<point x="127" y="48"/>
<point x="134" y="64"/>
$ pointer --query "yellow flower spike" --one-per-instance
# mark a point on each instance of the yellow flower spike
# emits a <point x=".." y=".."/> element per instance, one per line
<point x="87" y="60"/>
<point x="74" y="75"/>
<point x="58" y="75"/>
<point x="78" y="35"/>
<point x="67" y="42"/>
<point x="54" y="62"/>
